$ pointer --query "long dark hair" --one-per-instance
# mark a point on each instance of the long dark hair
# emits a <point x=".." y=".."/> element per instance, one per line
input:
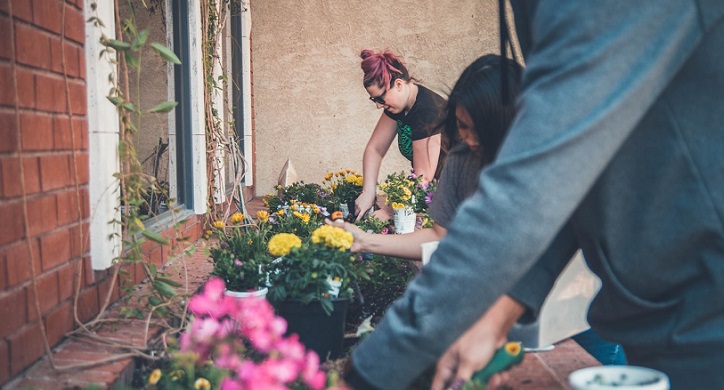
<point x="478" y="90"/>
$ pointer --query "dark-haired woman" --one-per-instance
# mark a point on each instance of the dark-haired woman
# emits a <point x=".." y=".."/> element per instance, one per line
<point x="411" y="113"/>
<point x="476" y="123"/>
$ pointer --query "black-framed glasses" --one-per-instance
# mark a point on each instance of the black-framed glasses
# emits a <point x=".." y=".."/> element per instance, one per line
<point x="379" y="99"/>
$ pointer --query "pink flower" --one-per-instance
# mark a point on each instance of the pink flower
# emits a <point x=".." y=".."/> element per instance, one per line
<point x="283" y="370"/>
<point x="230" y="384"/>
<point x="311" y="375"/>
<point x="212" y="301"/>
<point x="238" y="263"/>
<point x="223" y="327"/>
<point x="291" y="348"/>
<point x="384" y="230"/>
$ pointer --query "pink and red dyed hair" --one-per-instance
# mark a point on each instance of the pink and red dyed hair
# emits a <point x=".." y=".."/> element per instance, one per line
<point x="382" y="68"/>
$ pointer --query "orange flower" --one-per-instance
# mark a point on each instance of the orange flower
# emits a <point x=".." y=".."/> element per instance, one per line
<point x="337" y="215"/>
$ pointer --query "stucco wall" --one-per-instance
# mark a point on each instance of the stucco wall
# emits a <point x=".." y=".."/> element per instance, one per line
<point x="309" y="102"/>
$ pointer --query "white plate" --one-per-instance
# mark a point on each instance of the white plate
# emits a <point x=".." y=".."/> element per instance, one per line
<point x="618" y="378"/>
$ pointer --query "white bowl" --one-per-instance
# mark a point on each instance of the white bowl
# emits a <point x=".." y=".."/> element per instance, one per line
<point x="618" y="378"/>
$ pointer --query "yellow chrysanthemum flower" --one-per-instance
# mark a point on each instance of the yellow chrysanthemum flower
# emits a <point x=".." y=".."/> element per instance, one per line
<point x="155" y="376"/>
<point x="237" y="218"/>
<point x="219" y="224"/>
<point x="302" y="216"/>
<point x="328" y="176"/>
<point x="282" y="243"/>
<point x="332" y="237"/>
<point x="176" y="375"/>
<point x="263" y="215"/>
<point x="202" y="384"/>
<point x="280" y="212"/>
<point x="397" y="206"/>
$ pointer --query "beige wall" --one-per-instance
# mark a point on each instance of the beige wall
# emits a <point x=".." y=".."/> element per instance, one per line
<point x="309" y="102"/>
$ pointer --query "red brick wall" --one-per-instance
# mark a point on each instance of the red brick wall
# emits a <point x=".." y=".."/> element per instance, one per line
<point x="56" y="177"/>
<point x="36" y="125"/>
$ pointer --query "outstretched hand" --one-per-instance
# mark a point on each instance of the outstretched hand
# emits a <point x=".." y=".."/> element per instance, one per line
<point x="470" y="353"/>
<point x="365" y="201"/>
<point x="475" y="348"/>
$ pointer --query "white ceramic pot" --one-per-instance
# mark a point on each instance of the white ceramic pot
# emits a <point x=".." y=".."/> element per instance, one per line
<point x="248" y="294"/>
<point x="404" y="219"/>
<point x="344" y="209"/>
<point x="618" y="378"/>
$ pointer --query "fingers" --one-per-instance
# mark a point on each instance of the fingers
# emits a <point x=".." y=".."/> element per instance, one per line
<point x="497" y="381"/>
<point x="444" y="372"/>
<point x="336" y="223"/>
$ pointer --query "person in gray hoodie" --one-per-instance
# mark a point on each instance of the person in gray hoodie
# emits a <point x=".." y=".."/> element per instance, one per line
<point x="617" y="148"/>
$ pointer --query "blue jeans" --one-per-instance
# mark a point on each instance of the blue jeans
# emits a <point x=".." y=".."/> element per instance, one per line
<point x="606" y="352"/>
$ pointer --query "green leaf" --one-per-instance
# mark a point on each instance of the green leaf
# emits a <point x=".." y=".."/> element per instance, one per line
<point x="153" y="236"/>
<point x="129" y="106"/>
<point x="138" y="223"/>
<point x="140" y="39"/>
<point x="164" y="289"/>
<point x="115" y="100"/>
<point x="131" y="60"/>
<point x="164" y="107"/>
<point x="170" y="282"/>
<point x="118" y="45"/>
<point x="166" y="53"/>
<point x="154" y="301"/>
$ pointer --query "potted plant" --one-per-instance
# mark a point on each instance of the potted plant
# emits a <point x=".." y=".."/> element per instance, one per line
<point x="239" y="344"/>
<point x="345" y="186"/>
<point x="311" y="285"/>
<point x="299" y="192"/>
<point x="399" y="193"/>
<point x="296" y="217"/>
<point x="241" y="258"/>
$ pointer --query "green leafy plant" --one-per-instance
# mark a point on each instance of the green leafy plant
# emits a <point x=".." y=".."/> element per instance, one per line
<point x="184" y="371"/>
<point x="372" y="224"/>
<point x="408" y="191"/>
<point x="320" y="269"/>
<point x="398" y="188"/>
<point x="345" y="185"/>
<point x="240" y="257"/>
<point x="311" y="193"/>
<point x="297" y="218"/>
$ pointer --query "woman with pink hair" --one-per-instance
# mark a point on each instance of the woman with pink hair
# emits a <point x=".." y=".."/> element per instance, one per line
<point x="412" y="112"/>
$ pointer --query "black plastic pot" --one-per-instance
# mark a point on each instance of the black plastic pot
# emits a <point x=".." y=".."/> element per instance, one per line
<point x="318" y="331"/>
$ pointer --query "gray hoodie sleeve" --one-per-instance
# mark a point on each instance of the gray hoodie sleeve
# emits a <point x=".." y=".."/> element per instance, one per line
<point x="593" y="69"/>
